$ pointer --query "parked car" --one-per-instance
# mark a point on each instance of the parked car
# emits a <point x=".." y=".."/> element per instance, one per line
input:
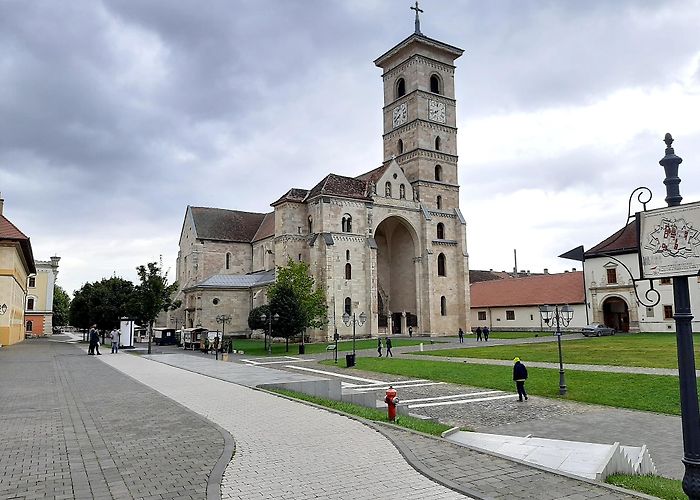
<point x="596" y="330"/>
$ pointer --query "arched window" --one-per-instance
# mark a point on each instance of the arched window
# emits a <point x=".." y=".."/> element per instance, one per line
<point x="348" y="305"/>
<point x="228" y="260"/>
<point x="443" y="306"/>
<point x="437" y="143"/>
<point x="387" y="189"/>
<point x="30" y="326"/>
<point x="438" y="173"/>
<point x="399" y="146"/>
<point x="311" y="224"/>
<point x="440" y="231"/>
<point x="30" y="304"/>
<point x="439" y="202"/>
<point x="441" y="265"/>
<point x="347" y="254"/>
<point x="435" y="84"/>
<point x="402" y="192"/>
<point x="348" y="271"/>
<point x="346" y="224"/>
<point x="400" y="87"/>
<point x="32" y="282"/>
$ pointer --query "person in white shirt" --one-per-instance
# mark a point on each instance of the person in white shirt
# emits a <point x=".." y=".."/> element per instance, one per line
<point x="114" y="335"/>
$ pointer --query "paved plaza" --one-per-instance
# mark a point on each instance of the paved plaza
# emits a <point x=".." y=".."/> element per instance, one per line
<point x="183" y="425"/>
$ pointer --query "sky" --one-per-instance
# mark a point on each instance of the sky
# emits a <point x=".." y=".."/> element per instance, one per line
<point x="116" y="115"/>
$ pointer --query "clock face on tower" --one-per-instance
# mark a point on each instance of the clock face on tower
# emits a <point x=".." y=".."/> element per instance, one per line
<point x="436" y="111"/>
<point x="399" y="115"/>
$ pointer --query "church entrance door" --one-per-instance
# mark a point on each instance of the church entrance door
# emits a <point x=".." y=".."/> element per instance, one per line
<point x="396" y="270"/>
<point x="616" y="314"/>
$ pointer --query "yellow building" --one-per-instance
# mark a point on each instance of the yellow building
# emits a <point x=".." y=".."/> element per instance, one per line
<point x="16" y="264"/>
<point x="38" y="315"/>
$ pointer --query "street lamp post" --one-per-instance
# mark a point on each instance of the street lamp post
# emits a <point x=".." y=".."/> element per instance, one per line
<point x="348" y="320"/>
<point x="561" y="317"/>
<point x="223" y="319"/>
<point x="684" y="343"/>
<point x="268" y="333"/>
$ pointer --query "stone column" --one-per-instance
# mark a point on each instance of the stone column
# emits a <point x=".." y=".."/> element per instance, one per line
<point x="404" y="326"/>
<point x="389" y="322"/>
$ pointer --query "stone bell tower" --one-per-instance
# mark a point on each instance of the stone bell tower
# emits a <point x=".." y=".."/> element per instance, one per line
<point x="420" y="124"/>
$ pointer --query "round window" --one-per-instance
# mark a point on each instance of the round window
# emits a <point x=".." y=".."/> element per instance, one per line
<point x="396" y="176"/>
<point x="215" y="301"/>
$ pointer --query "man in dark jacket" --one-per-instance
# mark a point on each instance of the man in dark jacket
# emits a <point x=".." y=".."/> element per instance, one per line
<point x="94" y="341"/>
<point x="520" y="376"/>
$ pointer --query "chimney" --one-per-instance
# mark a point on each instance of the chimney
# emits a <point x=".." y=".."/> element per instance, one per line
<point x="2" y="203"/>
<point x="573" y="269"/>
<point x="546" y="271"/>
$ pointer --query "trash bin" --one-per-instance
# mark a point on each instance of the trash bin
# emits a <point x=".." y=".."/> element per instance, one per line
<point x="302" y="348"/>
<point x="349" y="360"/>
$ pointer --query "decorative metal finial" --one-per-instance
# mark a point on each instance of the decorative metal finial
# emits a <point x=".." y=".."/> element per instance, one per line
<point x="417" y="9"/>
<point x="668" y="140"/>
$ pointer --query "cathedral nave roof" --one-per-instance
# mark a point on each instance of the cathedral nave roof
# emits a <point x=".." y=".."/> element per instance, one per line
<point x="219" y="224"/>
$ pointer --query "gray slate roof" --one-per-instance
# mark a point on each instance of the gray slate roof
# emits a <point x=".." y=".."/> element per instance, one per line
<point x="238" y="280"/>
<point x="226" y="225"/>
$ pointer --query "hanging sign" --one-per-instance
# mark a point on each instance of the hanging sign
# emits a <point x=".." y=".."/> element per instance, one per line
<point x="669" y="241"/>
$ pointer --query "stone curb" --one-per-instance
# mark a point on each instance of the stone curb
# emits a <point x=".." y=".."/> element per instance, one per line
<point x="415" y="463"/>
<point x="216" y="475"/>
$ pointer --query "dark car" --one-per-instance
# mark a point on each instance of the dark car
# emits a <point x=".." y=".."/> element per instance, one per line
<point x="596" y="330"/>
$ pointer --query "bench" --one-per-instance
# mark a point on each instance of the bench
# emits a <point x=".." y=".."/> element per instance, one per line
<point x="330" y="347"/>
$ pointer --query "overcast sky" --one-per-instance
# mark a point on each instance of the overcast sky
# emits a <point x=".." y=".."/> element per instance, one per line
<point x="115" y="115"/>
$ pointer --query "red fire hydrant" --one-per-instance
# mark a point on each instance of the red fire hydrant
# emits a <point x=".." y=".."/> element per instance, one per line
<point x="391" y="400"/>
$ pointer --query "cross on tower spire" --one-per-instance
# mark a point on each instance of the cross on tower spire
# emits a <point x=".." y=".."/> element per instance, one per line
<point x="417" y="9"/>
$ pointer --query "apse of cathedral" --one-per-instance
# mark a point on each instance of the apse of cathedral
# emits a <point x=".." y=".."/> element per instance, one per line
<point x="390" y="242"/>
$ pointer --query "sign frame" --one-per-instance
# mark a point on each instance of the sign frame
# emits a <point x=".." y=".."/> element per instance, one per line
<point x="668" y="241"/>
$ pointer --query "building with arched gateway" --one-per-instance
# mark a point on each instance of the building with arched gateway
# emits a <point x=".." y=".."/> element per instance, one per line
<point x="390" y="242"/>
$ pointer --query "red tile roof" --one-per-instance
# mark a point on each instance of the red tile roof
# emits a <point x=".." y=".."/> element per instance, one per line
<point x="623" y="241"/>
<point x="10" y="232"/>
<point x="563" y="288"/>
<point x="295" y="195"/>
<point x="338" y="185"/>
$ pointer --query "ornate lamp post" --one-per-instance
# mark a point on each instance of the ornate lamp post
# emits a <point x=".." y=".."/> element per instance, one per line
<point x="684" y="341"/>
<point x="223" y="319"/>
<point x="263" y="317"/>
<point x="561" y="316"/>
<point x="348" y="320"/>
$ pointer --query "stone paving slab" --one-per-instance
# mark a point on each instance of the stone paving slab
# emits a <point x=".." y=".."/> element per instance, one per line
<point x="73" y="427"/>
<point x="285" y="449"/>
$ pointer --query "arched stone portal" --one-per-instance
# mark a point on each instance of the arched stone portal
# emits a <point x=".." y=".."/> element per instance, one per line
<point x="616" y="314"/>
<point x="396" y="275"/>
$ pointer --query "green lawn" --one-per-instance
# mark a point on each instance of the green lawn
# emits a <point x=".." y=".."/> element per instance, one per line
<point x="256" y="347"/>
<point x="374" y="414"/>
<point x="657" y="350"/>
<point x="654" y="393"/>
<point x="661" y="487"/>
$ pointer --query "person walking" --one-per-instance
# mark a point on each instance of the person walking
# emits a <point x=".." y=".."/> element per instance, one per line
<point x="94" y="341"/>
<point x="478" y="333"/>
<point x="91" y="345"/>
<point x="520" y="376"/>
<point x="379" y="347"/>
<point x="388" y="348"/>
<point x="114" y="335"/>
<point x="410" y="331"/>
<point x="486" y="333"/>
<point x="461" y="336"/>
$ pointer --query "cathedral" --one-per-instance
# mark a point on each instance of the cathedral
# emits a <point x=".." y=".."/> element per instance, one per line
<point x="390" y="242"/>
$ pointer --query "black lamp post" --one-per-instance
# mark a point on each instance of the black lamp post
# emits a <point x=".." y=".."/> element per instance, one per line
<point x="347" y="319"/>
<point x="561" y="316"/>
<point x="268" y="333"/>
<point x="690" y="416"/>
<point x="223" y="319"/>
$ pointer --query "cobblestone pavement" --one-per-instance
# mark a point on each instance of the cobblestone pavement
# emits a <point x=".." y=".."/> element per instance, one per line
<point x="73" y="427"/>
<point x="285" y="449"/>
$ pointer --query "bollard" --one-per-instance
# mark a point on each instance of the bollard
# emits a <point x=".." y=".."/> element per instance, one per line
<point x="421" y="346"/>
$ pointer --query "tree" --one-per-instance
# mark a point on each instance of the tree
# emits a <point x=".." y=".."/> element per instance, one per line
<point x="153" y="295"/>
<point x="61" y="306"/>
<point x="101" y="303"/>
<point x="294" y="298"/>
<point x="254" y="321"/>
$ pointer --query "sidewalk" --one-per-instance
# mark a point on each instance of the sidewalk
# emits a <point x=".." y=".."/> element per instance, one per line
<point x="72" y="427"/>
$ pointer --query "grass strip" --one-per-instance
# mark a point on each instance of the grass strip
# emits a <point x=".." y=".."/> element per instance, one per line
<point x="651" y="350"/>
<point x="661" y="487"/>
<point x="655" y="393"/>
<point x="254" y="347"/>
<point x="373" y="414"/>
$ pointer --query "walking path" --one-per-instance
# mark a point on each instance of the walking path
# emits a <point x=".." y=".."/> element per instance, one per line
<point x="73" y="427"/>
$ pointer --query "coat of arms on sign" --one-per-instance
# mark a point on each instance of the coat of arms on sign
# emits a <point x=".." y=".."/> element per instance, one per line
<point x="674" y="238"/>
